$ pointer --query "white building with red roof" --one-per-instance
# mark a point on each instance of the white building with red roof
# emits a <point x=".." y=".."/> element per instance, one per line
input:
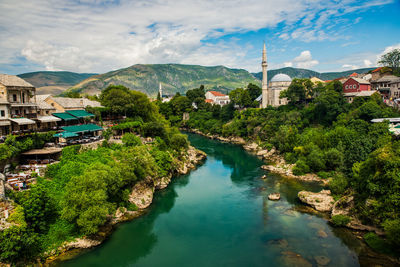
<point x="218" y="98"/>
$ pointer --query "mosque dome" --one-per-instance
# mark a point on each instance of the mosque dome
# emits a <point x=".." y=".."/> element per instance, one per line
<point x="280" y="77"/>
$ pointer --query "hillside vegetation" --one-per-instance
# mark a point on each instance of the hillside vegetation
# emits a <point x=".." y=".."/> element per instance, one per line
<point x="54" y="82"/>
<point x="305" y="73"/>
<point x="173" y="77"/>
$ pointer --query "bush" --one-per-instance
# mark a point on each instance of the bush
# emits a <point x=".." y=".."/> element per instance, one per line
<point x="392" y="229"/>
<point x="316" y="160"/>
<point x="290" y="158"/>
<point x="338" y="184"/>
<point x="300" y="168"/>
<point x="340" y="220"/>
<point x="333" y="159"/>
<point x="179" y="141"/>
<point x="376" y="243"/>
<point x="129" y="139"/>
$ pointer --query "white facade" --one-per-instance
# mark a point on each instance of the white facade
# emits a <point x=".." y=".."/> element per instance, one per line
<point x="278" y="83"/>
<point x="218" y="98"/>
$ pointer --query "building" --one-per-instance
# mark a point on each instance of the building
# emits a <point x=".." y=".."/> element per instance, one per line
<point x="62" y="104"/>
<point x="278" y="83"/>
<point x="354" y="85"/>
<point x="383" y="84"/>
<point x="350" y="96"/>
<point x="380" y="72"/>
<point x="17" y="98"/>
<point x="395" y="88"/>
<point x="264" y="86"/>
<point x="217" y="98"/>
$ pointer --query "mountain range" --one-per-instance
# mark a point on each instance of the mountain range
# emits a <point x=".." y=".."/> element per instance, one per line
<point x="305" y="73"/>
<point x="54" y="82"/>
<point x="173" y="78"/>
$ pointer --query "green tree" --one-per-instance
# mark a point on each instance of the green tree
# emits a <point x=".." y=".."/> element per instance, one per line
<point x="392" y="60"/>
<point x="130" y="139"/>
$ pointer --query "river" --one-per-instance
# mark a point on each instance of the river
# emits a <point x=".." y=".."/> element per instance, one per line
<point x="219" y="215"/>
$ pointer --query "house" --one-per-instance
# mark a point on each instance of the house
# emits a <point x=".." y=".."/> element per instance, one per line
<point x="217" y="98"/>
<point x="395" y="88"/>
<point x="17" y="98"/>
<point x="61" y="104"/>
<point x="350" y="96"/>
<point x="380" y="72"/>
<point x="353" y="85"/>
<point x="383" y="84"/>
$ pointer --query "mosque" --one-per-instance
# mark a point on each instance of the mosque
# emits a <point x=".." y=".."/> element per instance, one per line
<point x="278" y="83"/>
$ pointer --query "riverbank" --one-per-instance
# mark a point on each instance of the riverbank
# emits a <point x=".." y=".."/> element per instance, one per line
<point x="321" y="202"/>
<point x="141" y="195"/>
<point x="275" y="162"/>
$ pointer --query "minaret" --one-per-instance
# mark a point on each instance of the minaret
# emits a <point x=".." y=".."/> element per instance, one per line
<point x="264" y="87"/>
<point x="160" y="90"/>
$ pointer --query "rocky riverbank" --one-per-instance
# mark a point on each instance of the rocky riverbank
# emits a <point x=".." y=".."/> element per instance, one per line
<point x="141" y="195"/>
<point x="276" y="163"/>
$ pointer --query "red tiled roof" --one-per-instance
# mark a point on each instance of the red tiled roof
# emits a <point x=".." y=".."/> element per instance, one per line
<point x="216" y="93"/>
<point x="209" y="101"/>
<point x="353" y="74"/>
<point x="377" y="69"/>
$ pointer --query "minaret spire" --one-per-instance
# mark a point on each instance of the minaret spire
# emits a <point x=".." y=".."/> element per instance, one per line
<point x="264" y="87"/>
<point x="160" y="90"/>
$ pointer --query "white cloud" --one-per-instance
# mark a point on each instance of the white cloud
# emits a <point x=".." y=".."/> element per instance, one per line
<point x="367" y="63"/>
<point x="284" y="36"/>
<point x="101" y="35"/>
<point x="288" y="64"/>
<point x="349" y="66"/>
<point x="305" y="60"/>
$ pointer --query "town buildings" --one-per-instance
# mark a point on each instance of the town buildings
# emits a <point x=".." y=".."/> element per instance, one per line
<point x="217" y="98"/>
<point x="22" y="111"/>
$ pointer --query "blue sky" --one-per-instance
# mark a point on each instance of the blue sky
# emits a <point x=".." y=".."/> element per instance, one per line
<point x="103" y="35"/>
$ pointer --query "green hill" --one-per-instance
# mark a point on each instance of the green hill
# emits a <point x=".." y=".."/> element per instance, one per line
<point x="304" y="73"/>
<point x="54" y="78"/>
<point x="173" y="77"/>
<point x="54" y="82"/>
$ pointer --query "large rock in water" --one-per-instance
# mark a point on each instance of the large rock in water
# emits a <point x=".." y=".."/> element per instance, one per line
<point x="322" y="201"/>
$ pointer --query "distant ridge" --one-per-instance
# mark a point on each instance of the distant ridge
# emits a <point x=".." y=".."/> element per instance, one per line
<point x="53" y="82"/>
<point x="173" y="77"/>
<point x="305" y="73"/>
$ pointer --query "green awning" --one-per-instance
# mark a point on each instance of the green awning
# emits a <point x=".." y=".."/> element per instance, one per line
<point x="64" y="116"/>
<point x="79" y="113"/>
<point x="398" y="126"/>
<point x="65" y="134"/>
<point x="82" y="128"/>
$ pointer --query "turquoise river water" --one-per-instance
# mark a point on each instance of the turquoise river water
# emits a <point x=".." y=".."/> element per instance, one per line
<point x="219" y="215"/>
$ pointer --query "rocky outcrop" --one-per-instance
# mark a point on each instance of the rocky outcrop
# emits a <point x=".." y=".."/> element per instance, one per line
<point x="274" y="196"/>
<point x="343" y="206"/>
<point x="191" y="159"/>
<point x="321" y="201"/>
<point x="142" y="193"/>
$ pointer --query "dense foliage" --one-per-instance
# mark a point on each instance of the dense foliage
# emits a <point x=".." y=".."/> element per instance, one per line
<point x="79" y="194"/>
<point x="321" y="133"/>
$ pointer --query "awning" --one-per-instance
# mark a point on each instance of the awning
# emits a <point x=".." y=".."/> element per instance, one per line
<point x="5" y="123"/>
<point x="65" y="116"/>
<point x="80" y="113"/>
<point x="23" y="121"/>
<point x="82" y="128"/>
<point x="48" y="119"/>
<point x="65" y="135"/>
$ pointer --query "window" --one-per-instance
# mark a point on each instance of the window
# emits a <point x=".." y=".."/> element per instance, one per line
<point x="47" y="112"/>
<point x="14" y="97"/>
<point x="2" y="113"/>
<point x="23" y="97"/>
<point x="347" y="87"/>
<point x="354" y="86"/>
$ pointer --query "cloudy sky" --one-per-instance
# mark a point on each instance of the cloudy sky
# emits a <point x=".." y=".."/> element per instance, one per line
<point x="97" y="36"/>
